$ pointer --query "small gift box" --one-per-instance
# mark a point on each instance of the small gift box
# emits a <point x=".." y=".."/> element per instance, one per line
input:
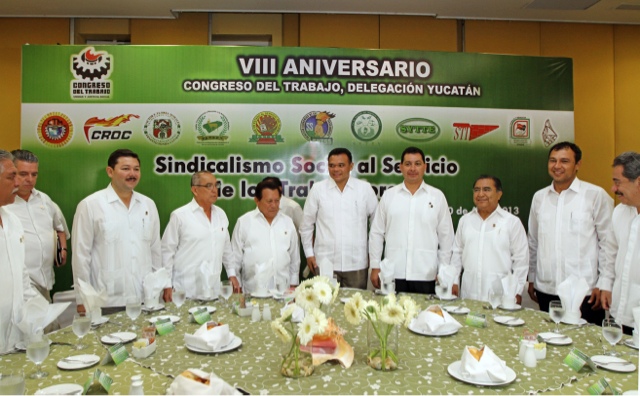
<point x="142" y="349"/>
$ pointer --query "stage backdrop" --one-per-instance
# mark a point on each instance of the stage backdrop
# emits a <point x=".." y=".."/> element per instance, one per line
<point x="245" y="113"/>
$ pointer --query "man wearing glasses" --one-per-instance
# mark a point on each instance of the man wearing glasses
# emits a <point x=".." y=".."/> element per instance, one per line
<point x="196" y="241"/>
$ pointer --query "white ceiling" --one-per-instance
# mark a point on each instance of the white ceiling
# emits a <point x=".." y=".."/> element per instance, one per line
<point x="603" y="11"/>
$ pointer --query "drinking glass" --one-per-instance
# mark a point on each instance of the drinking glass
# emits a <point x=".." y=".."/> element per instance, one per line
<point x="227" y="291"/>
<point x="178" y="298"/>
<point x="556" y="312"/>
<point x="12" y="383"/>
<point x="37" y="351"/>
<point x="133" y="308"/>
<point x="612" y="332"/>
<point x="388" y="286"/>
<point x="495" y="298"/>
<point x="81" y="326"/>
<point x="282" y="284"/>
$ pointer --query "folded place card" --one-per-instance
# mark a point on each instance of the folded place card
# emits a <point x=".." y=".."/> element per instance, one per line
<point x="201" y="315"/>
<point x="476" y="319"/>
<point x="601" y="387"/>
<point x="98" y="384"/>
<point x="577" y="360"/>
<point x="165" y="326"/>
<point x="116" y="353"/>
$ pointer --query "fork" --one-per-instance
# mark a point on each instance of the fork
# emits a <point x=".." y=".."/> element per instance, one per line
<point x="76" y="360"/>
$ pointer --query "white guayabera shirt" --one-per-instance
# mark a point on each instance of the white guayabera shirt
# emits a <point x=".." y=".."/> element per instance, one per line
<point x="489" y="249"/>
<point x="567" y="235"/>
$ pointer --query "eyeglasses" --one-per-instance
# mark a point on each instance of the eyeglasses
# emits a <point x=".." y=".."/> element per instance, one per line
<point x="210" y="186"/>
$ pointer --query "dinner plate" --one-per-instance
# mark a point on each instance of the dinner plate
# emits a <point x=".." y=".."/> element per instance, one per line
<point x="456" y="310"/>
<point x="380" y="292"/>
<point x="21" y="346"/>
<point x="209" y="308"/>
<point x="555" y="338"/>
<point x="580" y="322"/>
<point x="155" y="308"/>
<point x="61" y="389"/>
<point x="237" y="341"/>
<point x="173" y="318"/>
<point x="447" y="298"/>
<point x="83" y="361"/>
<point x="613" y="363"/>
<point x="425" y="332"/>
<point x="628" y="343"/>
<point x="454" y="371"/>
<point x="261" y="294"/>
<point x="508" y="320"/>
<point x="99" y="321"/>
<point x="114" y="338"/>
<point x="516" y="307"/>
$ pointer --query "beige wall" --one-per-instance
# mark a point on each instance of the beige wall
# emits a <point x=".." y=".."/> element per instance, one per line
<point x="606" y="59"/>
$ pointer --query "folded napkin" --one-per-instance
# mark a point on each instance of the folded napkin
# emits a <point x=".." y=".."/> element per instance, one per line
<point x="264" y="280"/>
<point x="93" y="300"/>
<point x="188" y="386"/>
<point x="208" y="281"/>
<point x="509" y="289"/>
<point x="153" y="284"/>
<point x="326" y="268"/>
<point x="298" y="313"/>
<point x="210" y="340"/>
<point x="447" y="276"/>
<point x="489" y="368"/>
<point x="37" y="314"/>
<point x="436" y="320"/>
<point x="571" y="292"/>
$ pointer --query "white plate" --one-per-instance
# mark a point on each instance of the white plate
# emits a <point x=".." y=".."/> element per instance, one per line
<point x="454" y="371"/>
<point x="456" y="310"/>
<point x="209" y="308"/>
<point x="122" y="337"/>
<point x="153" y="309"/>
<point x="554" y="339"/>
<point x="609" y="363"/>
<point x="508" y="320"/>
<point x="229" y="347"/>
<point x="21" y="346"/>
<point x="174" y="319"/>
<point x="61" y="389"/>
<point x="579" y="322"/>
<point x="447" y="298"/>
<point x="264" y="294"/>
<point x="84" y="361"/>
<point x="514" y="308"/>
<point x="207" y="299"/>
<point x="99" y="321"/>
<point x="628" y="343"/>
<point x="425" y="332"/>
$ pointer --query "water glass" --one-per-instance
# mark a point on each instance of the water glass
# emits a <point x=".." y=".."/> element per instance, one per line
<point x="134" y="309"/>
<point x="37" y="352"/>
<point x="81" y="326"/>
<point x="495" y="297"/>
<point x="282" y="284"/>
<point x="178" y="297"/>
<point x="12" y="383"/>
<point x="227" y="291"/>
<point x="612" y="332"/>
<point x="556" y="312"/>
<point x="388" y="286"/>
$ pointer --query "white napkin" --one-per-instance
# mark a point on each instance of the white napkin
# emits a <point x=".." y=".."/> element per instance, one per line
<point x="38" y="314"/>
<point x="387" y="270"/>
<point x="186" y="386"/>
<point x="92" y="299"/>
<point x="208" y="280"/>
<point x="210" y="340"/>
<point x="509" y="287"/>
<point x="571" y="292"/>
<point x="326" y="268"/>
<point x="297" y="316"/>
<point x="433" y="323"/>
<point x="447" y="276"/>
<point x="489" y="368"/>
<point x="264" y="277"/>
<point x="154" y="283"/>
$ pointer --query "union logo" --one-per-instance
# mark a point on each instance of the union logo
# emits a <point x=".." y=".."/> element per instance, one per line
<point x="466" y="131"/>
<point x="55" y="130"/>
<point x="266" y="127"/>
<point x="104" y="129"/>
<point x="548" y="134"/>
<point x="91" y="70"/>
<point x="162" y="128"/>
<point x="317" y="126"/>
<point x="418" y="130"/>
<point x="520" y="131"/>
<point x="212" y="128"/>
<point x="366" y="126"/>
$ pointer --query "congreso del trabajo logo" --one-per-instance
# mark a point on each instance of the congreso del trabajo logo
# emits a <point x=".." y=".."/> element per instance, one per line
<point x="91" y="70"/>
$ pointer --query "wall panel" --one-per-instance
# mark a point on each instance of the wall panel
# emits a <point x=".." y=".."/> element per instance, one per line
<point x="339" y="31"/>
<point x="418" y="33"/>
<point x="503" y="37"/>
<point x="627" y="88"/>
<point x="188" y="29"/>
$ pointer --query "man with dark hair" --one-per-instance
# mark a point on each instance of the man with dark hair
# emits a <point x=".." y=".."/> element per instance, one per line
<point x="288" y="206"/>
<point x="569" y="224"/>
<point x="622" y="272"/>
<point x="490" y="243"/>
<point x="413" y="225"/>
<point x="339" y="209"/>
<point x="14" y="282"/>
<point x="116" y="236"/>
<point x="264" y="244"/>
<point x="42" y="222"/>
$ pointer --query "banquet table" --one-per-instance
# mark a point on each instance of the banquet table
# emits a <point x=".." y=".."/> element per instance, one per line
<point x="255" y="365"/>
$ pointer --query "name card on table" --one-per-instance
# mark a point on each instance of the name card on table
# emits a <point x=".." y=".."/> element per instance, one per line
<point x="117" y="354"/>
<point x="165" y="326"/>
<point x="476" y="319"/>
<point x="98" y="384"/>
<point x="601" y="387"/>
<point x="577" y="360"/>
<point x="201" y="316"/>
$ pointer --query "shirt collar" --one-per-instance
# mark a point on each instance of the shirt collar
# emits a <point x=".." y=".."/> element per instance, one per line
<point x="423" y="186"/>
<point x="334" y="185"/>
<point x="258" y="214"/>
<point x="498" y="212"/>
<point x="575" y="186"/>
<point x="112" y="196"/>
<point x="194" y="206"/>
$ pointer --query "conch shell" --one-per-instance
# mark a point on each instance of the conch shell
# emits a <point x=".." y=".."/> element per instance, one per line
<point x="330" y="345"/>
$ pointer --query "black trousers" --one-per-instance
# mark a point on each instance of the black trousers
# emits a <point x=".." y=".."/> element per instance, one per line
<point x="422" y="287"/>
<point x="592" y="316"/>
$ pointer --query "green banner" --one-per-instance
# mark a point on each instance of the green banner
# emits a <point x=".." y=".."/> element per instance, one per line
<point x="246" y="112"/>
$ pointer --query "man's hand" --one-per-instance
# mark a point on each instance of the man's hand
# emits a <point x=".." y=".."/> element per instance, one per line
<point x="235" y="284"/>
<point x="63" y="254"/>
<point x="518" y="299"/>
<point x="167" y="295"/>
<point x="595" y="299"/>
<point x="80" y="308"/>
<point x="375" y="277"/>
<point x="605" y="299"/>
<point x="455" y="290"/>
<point x="532" y="292"/>
<point x="313" y="266"/>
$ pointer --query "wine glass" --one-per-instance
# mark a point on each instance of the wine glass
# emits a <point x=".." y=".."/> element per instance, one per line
<point x="81" y="326"/>
<point x="556" y="312"/>
<point x="227" y="291"/>
<point x="282" y="284"/>
<point x="612" y="332"/>
<point x="495" y="297"/>
<point x="12" y="383"/>
<point x="178" y="298"/>
<point x="133" y="308"/>
<point x="37" y="351"/>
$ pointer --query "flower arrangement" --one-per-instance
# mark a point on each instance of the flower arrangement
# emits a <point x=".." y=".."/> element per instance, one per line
<point x="310" y="295"/>
<point x="383" y="319"/>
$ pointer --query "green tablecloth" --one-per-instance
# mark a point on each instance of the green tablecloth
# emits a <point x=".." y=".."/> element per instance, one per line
<point x="255" y="365"/>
